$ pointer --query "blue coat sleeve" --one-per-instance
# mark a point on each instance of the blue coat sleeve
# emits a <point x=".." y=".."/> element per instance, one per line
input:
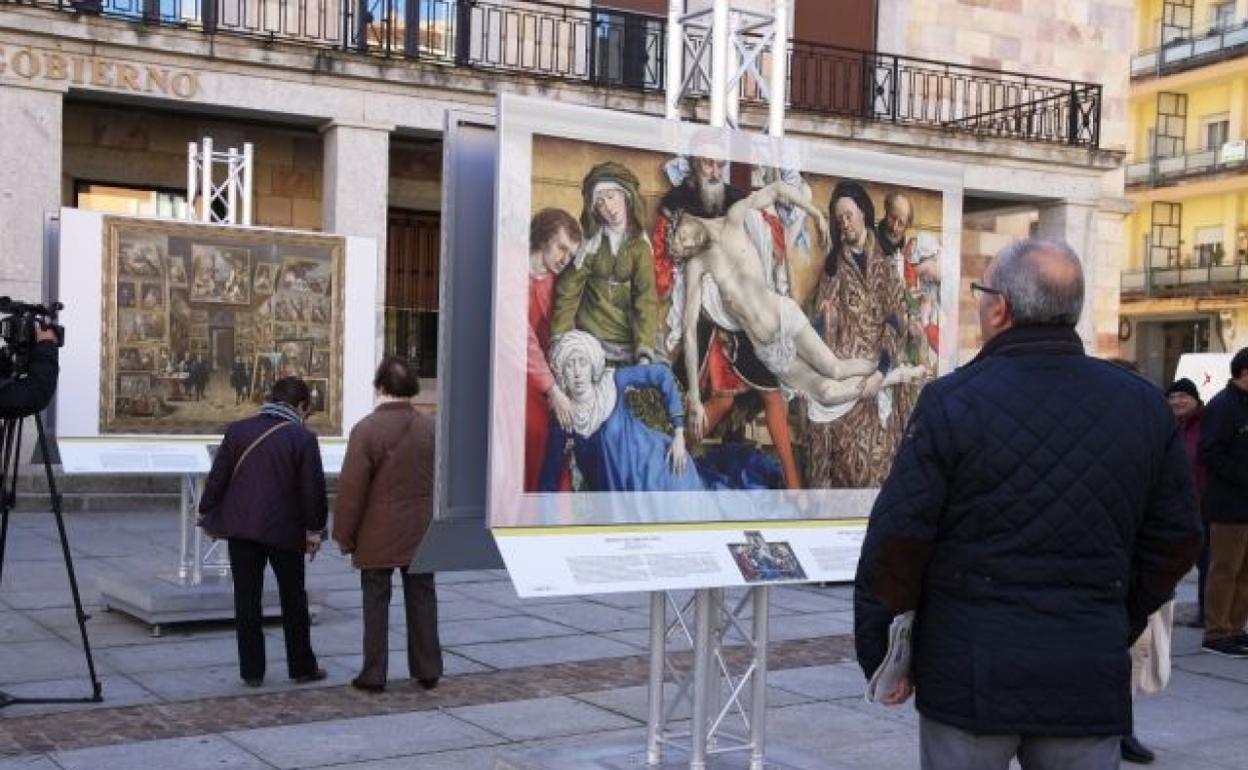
<point x="902" y="530"/>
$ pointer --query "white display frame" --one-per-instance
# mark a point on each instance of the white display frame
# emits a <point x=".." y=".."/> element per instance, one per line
<point x="78" y="403"/>
<point x="542" y="535"/>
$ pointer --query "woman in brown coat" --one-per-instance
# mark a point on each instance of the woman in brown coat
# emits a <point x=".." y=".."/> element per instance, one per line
<point x="382" y="514"/>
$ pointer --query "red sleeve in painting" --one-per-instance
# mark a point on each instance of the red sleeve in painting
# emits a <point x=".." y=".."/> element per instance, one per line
<point x="664" y="270"/>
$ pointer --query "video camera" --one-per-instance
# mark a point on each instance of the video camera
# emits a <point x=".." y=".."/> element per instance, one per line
<point x="17" y="329"/>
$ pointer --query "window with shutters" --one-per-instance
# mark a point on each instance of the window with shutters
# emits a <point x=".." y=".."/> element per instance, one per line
<point x="413" y="250"/>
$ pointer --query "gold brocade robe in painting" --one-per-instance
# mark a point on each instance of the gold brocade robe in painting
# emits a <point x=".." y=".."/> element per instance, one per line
<point x="866" y="318"/>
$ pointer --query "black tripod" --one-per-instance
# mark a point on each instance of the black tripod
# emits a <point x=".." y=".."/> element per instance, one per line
<point x="10" y="452"/>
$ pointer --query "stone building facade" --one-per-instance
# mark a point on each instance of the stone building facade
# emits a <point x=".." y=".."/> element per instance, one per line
<point x="100" y="100"/>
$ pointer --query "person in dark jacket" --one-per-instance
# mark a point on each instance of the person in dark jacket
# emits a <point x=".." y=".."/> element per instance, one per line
<point x="382" y="513"/>
<point x="1224" y="451"/>
<point x="266" y="495"/>
<point x="1188" y="407"/>
<point x="22" y="397"/>
<point x="1039" y="509"/>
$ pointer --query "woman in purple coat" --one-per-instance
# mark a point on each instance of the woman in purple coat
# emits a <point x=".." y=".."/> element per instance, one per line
<point x="266" y="495"/>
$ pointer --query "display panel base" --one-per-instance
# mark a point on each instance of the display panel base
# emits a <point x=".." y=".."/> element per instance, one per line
<point x="630" y="755"/>
<point x="164" y="599"/>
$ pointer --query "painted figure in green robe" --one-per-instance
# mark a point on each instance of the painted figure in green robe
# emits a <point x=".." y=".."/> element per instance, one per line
<point x="610" y="290"/>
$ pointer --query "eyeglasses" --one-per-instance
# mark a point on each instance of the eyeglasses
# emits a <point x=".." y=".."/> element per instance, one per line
<point x="978" y="290"/>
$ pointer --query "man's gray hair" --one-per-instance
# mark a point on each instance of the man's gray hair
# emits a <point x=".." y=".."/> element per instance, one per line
<point x="1041" y="281"/>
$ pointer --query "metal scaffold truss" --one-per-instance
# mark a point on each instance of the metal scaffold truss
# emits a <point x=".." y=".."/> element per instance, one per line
<point x="218" y="183"/>
<point x="723" y="685"/>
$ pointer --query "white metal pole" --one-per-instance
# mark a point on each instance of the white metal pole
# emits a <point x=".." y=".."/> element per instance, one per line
<point x="732" y="90"/>
<point x="719" y="63"/>
<point x="191" y="185"/>
<point x="758" y="705"/>
<point x="185" y="519"/>
<point x="779" y="79"/>
<point x="206" y="181"/>
<point x="658" y="654"/>
<point x="674" y="71"/>
<point x="233" y="171"/>
<point x="246" y="182"/>
<point x="703" y="659"/>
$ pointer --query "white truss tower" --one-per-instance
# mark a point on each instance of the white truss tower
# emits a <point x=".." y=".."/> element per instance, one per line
<point x="718" y="687"/>
<point x="721" y="48"/>
<point x="218" y="184"/>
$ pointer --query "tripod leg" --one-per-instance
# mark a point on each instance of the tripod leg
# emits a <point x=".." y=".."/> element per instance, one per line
<point x="97" y="688"/>
<point x="10" y="433"/>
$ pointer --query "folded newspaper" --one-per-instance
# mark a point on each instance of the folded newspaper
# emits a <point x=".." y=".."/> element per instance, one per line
<point x="896" y="661"/>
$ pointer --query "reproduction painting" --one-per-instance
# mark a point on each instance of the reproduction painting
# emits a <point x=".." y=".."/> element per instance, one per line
<point x="191" y="340"/>
<point x="700" y="319"/>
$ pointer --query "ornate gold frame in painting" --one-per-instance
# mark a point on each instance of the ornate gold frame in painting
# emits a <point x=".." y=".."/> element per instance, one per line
<point x="176" y="405"/>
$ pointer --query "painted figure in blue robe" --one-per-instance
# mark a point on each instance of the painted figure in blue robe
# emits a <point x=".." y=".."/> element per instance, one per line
<point x="615" y="451"/>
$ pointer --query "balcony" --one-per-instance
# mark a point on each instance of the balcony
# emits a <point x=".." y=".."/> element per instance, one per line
<point x="1215" y="44"/>
<point x="1231" y="157"/>
<point x="624" y="50"/>
<point x="1188" y="280"/>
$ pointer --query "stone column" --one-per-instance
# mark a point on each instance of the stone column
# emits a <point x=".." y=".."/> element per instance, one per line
<point x="1077" y="224"/>
<point x="30" y="188"/>
<point x="30" y="185"/>
<point x="356" y="192"/>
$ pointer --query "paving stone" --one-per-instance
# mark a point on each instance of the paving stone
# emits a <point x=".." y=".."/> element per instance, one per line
<point x="200" y="753"/>
<point x="18" y="627"/>
<point x="215" y="681"/>
<point x="634" y="702"/>
<point x="44" y="660"/>
<point x="1205" y="690"/>
<point x="118" y="690"/>
<point x="809" y="600"/>
<point x="837" y="728"/>
<point x="843" y="680"/>
<point x="535" y="652"/>
<point x="1167" y="724"/>
<point x="452" y="664"/>
<point x="28" y="763"/>
<point x="354" y="740"/>
<point x="520" y="627"/>
<point x="541" y="718"/>
<point x="594" y="618"/>
<point x="459" y="608"/>
<point x="179" y="655"/>
<point x="811" y="625"/>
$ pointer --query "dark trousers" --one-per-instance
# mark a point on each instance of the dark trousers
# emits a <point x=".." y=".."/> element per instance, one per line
<point x="1226" y="597"/>
<point x="247" y="560"/>
<point x="420" y="604"/>
<point x="1202" y="573"/>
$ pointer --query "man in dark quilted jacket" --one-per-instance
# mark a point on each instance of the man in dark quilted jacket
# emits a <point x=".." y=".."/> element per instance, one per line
<point x="1224" y="450"/>
<point x="1040" y="507"/>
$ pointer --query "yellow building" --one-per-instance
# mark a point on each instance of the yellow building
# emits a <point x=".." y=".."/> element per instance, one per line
<point x="1185" y="284"/>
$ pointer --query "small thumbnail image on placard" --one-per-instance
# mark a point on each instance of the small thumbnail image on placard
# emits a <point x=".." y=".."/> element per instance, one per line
<point x="762" y="562"/>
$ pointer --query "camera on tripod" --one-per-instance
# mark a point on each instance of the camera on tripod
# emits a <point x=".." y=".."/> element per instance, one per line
<point x="18" y="327"/>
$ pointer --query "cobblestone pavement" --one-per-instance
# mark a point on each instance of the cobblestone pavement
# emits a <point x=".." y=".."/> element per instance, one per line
<point x="520" y="674"/>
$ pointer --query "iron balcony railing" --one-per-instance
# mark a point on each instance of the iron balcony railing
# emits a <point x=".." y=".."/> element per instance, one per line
<point x="1215" y="44"/>
<point x="913" y="91"/>
<point x="1208" y="279"/>
<point x="1230" y="157"/>
<point x="627" y="50"/>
